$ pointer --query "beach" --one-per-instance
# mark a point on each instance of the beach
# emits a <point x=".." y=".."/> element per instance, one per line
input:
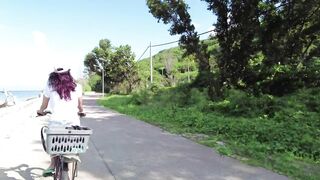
<point x="19" y="137"/>
<point x="11" y="116"/>
<point x="18" y="106"/>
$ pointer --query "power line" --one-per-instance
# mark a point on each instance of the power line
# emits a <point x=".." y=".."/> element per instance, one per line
<point x="206" y="32"/>
<point x="143" y="53"/>
<point x="163" y="44"/>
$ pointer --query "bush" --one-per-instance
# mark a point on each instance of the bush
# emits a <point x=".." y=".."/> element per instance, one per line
<point x="86" y="88"/>
<point x="238" y="103"/>
<point x="284" y="124"/>
<point x="142" y="97"/>
<point x="197" y="98"/>
<point x="262" y="128"/>
<point x="93" y="81"/>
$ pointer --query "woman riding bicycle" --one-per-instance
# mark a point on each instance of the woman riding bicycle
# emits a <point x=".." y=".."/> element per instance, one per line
<point x="64" y="96"/>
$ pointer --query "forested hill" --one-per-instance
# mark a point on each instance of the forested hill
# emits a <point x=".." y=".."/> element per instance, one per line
<point x="171" y="67"/>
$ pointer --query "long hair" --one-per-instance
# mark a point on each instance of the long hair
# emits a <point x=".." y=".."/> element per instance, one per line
<point x="63" y="83"/>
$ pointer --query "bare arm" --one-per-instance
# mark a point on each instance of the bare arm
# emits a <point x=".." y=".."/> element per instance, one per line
<point x="44" y="105"/>
<point x="80" y="104"/>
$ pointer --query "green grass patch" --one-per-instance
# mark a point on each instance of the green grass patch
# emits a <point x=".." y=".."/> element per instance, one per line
<point x="278" y="133"/>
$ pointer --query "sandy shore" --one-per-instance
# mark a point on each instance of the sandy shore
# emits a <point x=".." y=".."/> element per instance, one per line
<point x="19" y="106"/>
<point x="21" y="154"/>
<point x="12" y="116"/>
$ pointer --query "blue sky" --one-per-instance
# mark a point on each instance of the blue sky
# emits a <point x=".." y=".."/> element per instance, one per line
<point x="36" y="36"/>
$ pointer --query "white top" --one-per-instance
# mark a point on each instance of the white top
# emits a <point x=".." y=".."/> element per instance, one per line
<point x="64" y="112"/>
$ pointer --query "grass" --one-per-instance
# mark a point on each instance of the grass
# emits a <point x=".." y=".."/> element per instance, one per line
<point x="278" y="133"/>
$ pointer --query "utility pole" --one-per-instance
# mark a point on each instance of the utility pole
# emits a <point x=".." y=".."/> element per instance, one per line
<point x="150" y="64"/>
<point x="102" y="69"/>
<point x="101" y="65"/>
<point x="188" y="71"/>
<point x="102" y="79"/>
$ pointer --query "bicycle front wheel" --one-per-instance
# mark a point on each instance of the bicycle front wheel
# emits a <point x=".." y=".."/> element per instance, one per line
<point x="58" y="169"/>
<point x="74" y="170"/>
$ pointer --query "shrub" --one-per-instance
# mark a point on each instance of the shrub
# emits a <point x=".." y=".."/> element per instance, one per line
<point x="141" y="97"/>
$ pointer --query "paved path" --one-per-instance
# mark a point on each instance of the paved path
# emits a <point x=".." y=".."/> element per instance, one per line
<point x="121" y="148"/>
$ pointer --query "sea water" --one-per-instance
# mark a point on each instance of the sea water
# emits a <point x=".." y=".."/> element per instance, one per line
<point x="21" y="96"/>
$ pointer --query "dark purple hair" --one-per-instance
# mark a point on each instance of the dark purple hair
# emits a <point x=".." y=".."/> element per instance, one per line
<point x="63" y="83"/>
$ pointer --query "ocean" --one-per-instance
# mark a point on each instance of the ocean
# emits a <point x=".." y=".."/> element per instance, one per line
<point x="21" y="96"/>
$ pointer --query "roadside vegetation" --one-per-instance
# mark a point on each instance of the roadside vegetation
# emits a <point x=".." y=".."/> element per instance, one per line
<point x="250" y="90"/>
<point x="278" y="133"/>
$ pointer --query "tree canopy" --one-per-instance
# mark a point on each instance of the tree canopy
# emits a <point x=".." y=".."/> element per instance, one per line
<point x="264" y="46"/>
<point x="118" y="64"/>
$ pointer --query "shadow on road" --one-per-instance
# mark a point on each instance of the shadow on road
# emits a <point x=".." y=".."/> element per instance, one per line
<point x="22" y="171"/>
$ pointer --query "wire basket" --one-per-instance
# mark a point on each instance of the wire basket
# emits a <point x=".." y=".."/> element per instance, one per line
<point x="67" y="141"/>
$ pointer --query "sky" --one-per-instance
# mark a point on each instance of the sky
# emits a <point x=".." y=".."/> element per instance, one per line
<point x="38" y="35"/>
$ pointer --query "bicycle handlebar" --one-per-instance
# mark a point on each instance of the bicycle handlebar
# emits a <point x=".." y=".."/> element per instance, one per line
<point x="44" y="113"/>
<point x="81" y="114"/>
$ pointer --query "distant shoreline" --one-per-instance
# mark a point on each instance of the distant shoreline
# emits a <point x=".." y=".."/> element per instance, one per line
<point x="29" y="99"/>
<point x="21" y="95"/>
<point x="18" y="106"/>
<point x="17" y="97"/>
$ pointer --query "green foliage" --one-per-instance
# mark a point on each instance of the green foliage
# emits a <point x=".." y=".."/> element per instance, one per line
<point x="280" y="133"/>
<point x="269" y="49"/>
<point x="239" y="103"/>
<point x="290" y="121"/>
<point x="170" y="69"/>
<point x="87" y="88"/>
<point x="123" y="69"/>
<point x="176" y="13"/>
<point x="261" y="46"/>
<point x="94" y="82"/>
<point x="119" y="67"/>
<point x="142" y="97"/>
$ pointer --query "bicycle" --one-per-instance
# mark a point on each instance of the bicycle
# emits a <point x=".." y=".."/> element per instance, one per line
<point x="63" y="142"/>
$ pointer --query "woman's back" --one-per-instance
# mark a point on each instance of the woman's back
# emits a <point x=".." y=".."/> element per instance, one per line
<point x="63" y="95"/>
<point x="64" y="111"/>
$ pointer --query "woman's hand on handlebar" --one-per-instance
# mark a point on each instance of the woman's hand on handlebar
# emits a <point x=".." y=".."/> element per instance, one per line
<point x="81" y="114"/>
<point x="43" y="113"/>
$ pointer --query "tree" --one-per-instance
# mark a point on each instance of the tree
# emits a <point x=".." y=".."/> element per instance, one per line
<point x="104" y="50"/>
<point x="166" y="64"/>
<point x="265" y="46"/>
<point x="290" y="36"/>
<point x="236" y="27"/>
<point x="175" y="12"/>
<point x="118" y="65"/>
<point x="123" y="68"/>
<point x="280" y="34"/>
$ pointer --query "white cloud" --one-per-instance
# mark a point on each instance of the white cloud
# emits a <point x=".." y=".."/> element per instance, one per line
<point x="26" y="65"/>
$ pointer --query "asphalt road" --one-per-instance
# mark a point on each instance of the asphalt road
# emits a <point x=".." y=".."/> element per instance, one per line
<point x="120" y="148"/>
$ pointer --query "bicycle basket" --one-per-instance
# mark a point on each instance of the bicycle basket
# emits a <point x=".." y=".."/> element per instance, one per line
<point x="67" y="141"/>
